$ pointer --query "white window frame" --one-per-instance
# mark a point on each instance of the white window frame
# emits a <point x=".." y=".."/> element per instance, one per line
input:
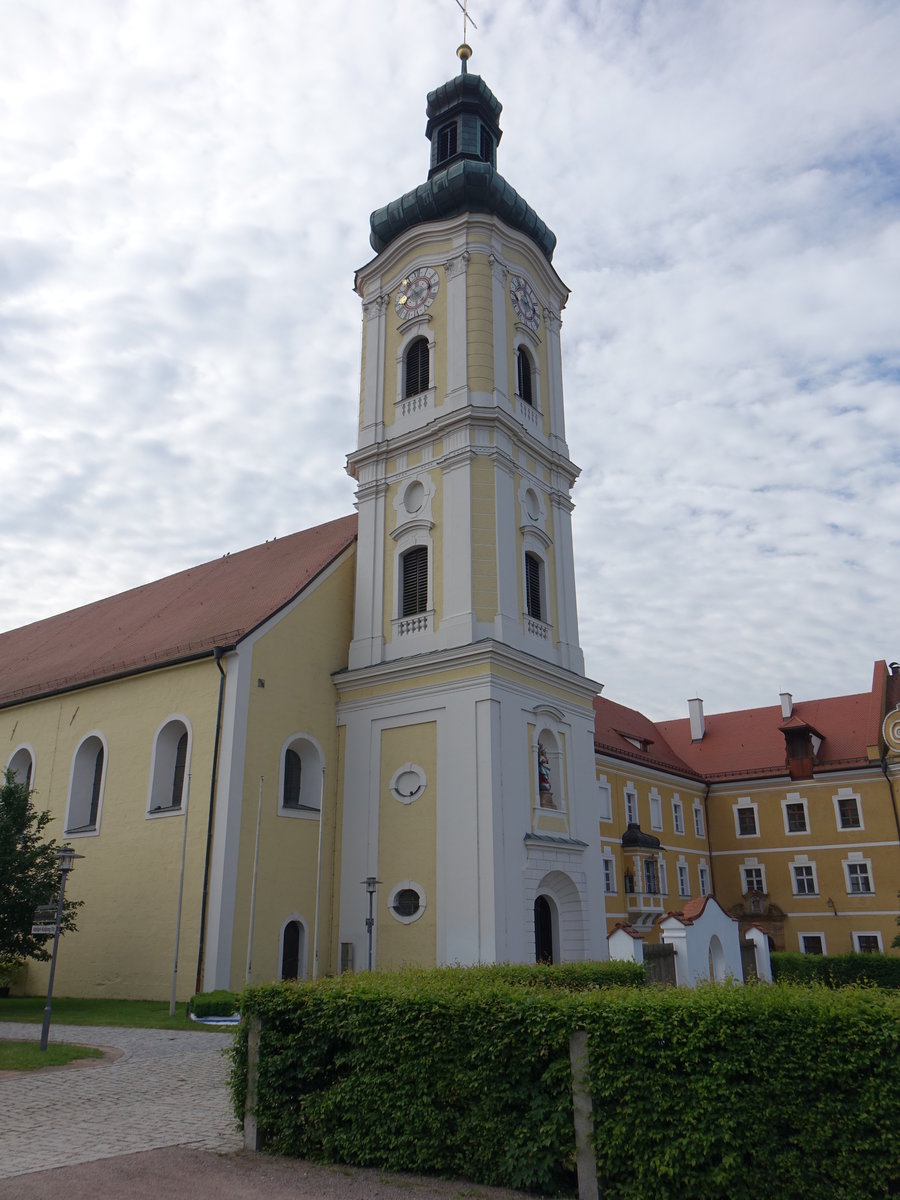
<point x="752" y="864"/>
<point x="656" y="818"/>
<point x="418" y="327"/>
<point x="632" y="811"/>
<point x="703" y="877"/>
<point x="807" y="933"/>
<point x="305" y="812"/>
<point x="699" y="823"/>
<point x="857" y="860"/>
<point x="663" y="877"/>
<point x="678" y="816"/>
<point x="684" y="878"/>
<point x="604" y="803"/>
<point x="744" y="802"/>
<point x="610" y="886"/>
<point x="858" y="933"/>
<point x="790" y="799"/>
<point x="847" y="793"/>
<point x="801" y="860"/>
<point x="156" y="765"/>
<point x="23" y="749"/>
<point x="93" y="830"/>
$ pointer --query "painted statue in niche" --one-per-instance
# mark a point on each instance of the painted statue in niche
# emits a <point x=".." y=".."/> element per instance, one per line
<point x="545" y="790"/>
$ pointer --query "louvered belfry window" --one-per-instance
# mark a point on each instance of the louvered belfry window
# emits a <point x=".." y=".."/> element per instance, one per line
<point x="523" y="375"/>
<point x="417" y="368"/>
<point x="415" y="581"/>
<point x="533" y="605"/>
<point x="446" y="142"/>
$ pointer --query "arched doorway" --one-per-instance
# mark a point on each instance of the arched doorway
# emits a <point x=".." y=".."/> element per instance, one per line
<point x="717" y="967"/>
<point x="543" y="930"/>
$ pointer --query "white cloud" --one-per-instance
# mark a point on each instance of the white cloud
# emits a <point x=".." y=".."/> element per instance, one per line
<point x="184" y="196"/>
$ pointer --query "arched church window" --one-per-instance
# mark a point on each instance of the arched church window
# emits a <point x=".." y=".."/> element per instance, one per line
<point x="523" y="375"/>
<point x="170" y="755"/>
<point x="446" y="142"/>
<point x="293" y="950"/>
<point x="534" y="587"/>
<point x="416" y="368"/>
<point x="290" y="796"/>
<point x="300" y="776"/>
<point x="414" y="581"/>
<point x="86" y="786"/>
<point x="21" y="766"/>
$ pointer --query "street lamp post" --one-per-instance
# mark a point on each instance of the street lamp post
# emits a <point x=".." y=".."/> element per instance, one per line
<point x="65" y="856"/>
<point x="371" y="883"/>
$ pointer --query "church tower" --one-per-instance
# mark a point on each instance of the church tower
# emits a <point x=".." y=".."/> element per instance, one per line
<point x="469" y="794"/>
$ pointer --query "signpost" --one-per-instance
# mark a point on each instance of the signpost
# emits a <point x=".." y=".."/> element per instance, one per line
<point x="65" y="856"/>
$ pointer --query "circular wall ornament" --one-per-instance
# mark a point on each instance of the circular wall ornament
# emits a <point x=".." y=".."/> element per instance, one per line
<point x="524" y="301"/>
<point x="416" y="292"/>
<point x="532" y="504"/>
<point x="408" y="783"/>
<point x="414" y="496"/>
<point x="892" y="729"/>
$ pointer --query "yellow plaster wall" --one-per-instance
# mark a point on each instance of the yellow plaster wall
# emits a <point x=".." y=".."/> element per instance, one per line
<point x="484" y="539"/>
<point x="407" y="838"/>
<point x="480" y="321"/>
<point x="129" y="876"/>
<point x="296" y="659"/>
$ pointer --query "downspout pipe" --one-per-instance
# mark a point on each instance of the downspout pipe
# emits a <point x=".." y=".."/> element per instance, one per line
<point x="890" y="784"/>
<point x="218" y="654"/>
<point x="712" y="874"/>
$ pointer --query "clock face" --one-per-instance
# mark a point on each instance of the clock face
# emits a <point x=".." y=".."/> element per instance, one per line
<point x="524" y="301"/>
<point x="416" y="292"/>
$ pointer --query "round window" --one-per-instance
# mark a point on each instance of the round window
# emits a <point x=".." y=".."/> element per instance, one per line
<point x="406" y="903"/>
<point x="532" y="504"/>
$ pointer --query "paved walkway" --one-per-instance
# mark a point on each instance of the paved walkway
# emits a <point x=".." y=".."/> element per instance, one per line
<point x="166" y="1089"/>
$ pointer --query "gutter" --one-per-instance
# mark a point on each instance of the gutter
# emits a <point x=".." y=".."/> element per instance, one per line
<point x="218" y="653"/>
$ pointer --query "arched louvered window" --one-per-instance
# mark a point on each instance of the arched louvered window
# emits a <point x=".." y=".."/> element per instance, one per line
<point x="416" y="368"/>
<point x="534" y="599"/>
<point x="446" y="142"/>
<point x="414" y="582"/>
<point x="487" y="146"/>
<point x="523" y="375"/>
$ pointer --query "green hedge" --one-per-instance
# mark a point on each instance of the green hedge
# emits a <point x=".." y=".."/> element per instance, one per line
<point x="720" y="1091"/>
<point x="214" y="1004"/>
<point x="837" y="970"/>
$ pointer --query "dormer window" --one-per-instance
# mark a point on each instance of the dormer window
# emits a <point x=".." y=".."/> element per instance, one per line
<point x="447" y="140"/>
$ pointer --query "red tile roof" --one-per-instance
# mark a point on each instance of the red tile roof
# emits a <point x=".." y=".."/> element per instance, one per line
<point x="174" y="619"/>
<point x="614" y="724"/>
<point x="750" y="743"/>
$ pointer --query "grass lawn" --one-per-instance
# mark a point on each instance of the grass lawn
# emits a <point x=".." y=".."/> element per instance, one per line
<point x="28" y="1056"/>
<point x="139" y="1014"/>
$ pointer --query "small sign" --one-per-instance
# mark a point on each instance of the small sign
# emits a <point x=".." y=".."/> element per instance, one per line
<point x="43" y="930"/>
<point x="44" y="913"/>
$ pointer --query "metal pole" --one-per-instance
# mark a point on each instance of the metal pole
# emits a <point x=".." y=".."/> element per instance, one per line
<point x="45" y="1028"/>
<point x="315" y="969"/>
<point x="180" y="896"/>
<point x="253" y="885"/>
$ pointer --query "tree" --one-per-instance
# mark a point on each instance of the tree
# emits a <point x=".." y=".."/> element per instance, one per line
<point x="29" y="874"/>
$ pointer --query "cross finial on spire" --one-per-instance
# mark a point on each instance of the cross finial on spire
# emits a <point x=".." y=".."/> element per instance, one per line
<point x="465" y="50"/>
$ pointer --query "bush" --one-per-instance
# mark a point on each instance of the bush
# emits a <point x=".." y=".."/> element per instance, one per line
<point x="214" y="1004"/>
<point x="720" y="1091"/>
<point x="838" y="970"/>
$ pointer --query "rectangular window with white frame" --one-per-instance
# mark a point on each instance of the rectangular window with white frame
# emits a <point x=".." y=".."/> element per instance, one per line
<point x="699" y="825"/>
<point x="663" y="878"/>
<point x="812" y="943"/>
<point x="656" y="821"/>
<point x="609" y="875"/>
<point x="867" y="943"/>
<point x="677" y="815"/>
<point x="745" y="819"/>
<point x="848" y="810"/>
<point x="795" y="813"/>
<point x="684" y="880"/>
<point x="631" y="806"/>
<point x="703" y="873"/>
<point x="604" y="800"/>
<point x="858" y="876"/>
<point x="753" y="877"/>
<point x="803" y="878"/>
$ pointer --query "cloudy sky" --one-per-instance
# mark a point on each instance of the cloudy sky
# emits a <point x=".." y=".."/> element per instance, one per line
<point x="184" y="196"/>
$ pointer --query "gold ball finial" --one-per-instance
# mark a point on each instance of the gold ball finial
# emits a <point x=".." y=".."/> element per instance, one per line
<point x="464" y="51"/>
